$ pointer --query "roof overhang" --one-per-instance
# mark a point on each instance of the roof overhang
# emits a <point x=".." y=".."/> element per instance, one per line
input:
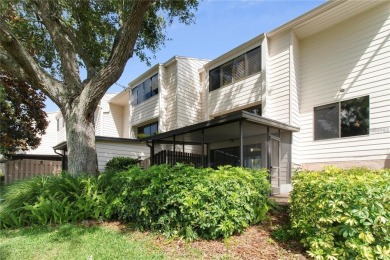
<point x="324" y="16"/>
<point x="120" y="99"/>
<point x="63" y="145"/>
<point x="241" y="116"/>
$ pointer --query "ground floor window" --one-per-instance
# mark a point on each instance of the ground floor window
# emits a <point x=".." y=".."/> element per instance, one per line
<point x="342" y="119"/>
<point x="147" y="130"/>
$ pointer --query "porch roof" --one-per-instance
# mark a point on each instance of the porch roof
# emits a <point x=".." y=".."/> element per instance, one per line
<point x="192" y="134"/>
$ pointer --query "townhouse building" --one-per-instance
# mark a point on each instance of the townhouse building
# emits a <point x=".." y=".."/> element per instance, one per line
<point x="312" y="92"/>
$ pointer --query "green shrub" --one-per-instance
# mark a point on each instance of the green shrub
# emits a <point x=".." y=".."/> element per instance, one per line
<point x="343" y="214"/>
<point x="51" y="200"/>
<point x="118" y="164"/>
<point x="189" y="202"/>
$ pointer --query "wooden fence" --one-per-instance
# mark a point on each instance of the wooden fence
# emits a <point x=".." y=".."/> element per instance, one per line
<point x="26" y="168"/>
<point x="171" y="157"/>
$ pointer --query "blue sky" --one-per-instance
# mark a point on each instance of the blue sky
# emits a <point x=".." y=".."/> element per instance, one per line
<point x="221" y="25"/>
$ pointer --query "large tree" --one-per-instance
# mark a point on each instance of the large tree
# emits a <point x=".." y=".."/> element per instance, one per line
<point x="48" y="42"/>
<point x="22" y="119"/>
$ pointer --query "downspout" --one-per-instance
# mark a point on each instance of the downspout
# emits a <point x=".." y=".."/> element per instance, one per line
<point x="62" y="159"/>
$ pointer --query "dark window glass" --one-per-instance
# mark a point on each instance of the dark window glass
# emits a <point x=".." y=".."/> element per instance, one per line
<point x="354" y="115"/>
<point x="155" y="85"/>
<point x="254" y="61"/>
<point x="134" y="95"/>
<point x="215" y="78"/>
<point x="227" y="73"/>
<point x="239" y="68"/>
<point x="147" y="130"/>
<point x="145" y="90"/>
<point x="235" y="70"/>
<point x="148" y="88"/>
<point x="326" y="122"/>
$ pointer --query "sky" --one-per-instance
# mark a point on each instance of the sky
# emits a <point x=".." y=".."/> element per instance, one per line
<point x="220" y="26"/>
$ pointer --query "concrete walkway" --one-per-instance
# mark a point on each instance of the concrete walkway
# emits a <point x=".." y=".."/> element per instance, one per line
<point x="281" y="199"/>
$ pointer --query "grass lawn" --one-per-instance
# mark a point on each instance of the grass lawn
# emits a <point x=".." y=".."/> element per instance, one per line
<point x="94" y="240"/>
<point x="74" y="242"/>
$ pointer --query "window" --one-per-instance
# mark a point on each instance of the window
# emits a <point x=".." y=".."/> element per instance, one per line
<point x="235" y="70"/>
<point x="148" y="130"/>
<point x="342" y="119"/>
<point x="145" y="90"/>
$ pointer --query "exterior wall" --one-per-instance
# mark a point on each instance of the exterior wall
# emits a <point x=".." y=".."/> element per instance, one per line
<point x="61" y="133"/>
<point x="106" y="150"/>
<point x="353" y="55"/>
<point x="126" y="121"/>
<point x="168" y="97"/>
<point x="112" y="118"/>
<point x="146" y="111"/>
<point x="49" y="139"/>
<point x="278" y="77"/>
<point x="236" y="96"/>
<point x="245" y="93"/>
<point x="294" y="93"/>
<point x="189" y="92"/>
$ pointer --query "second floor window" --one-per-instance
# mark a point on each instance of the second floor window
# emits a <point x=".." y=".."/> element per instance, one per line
<point x="235" y="70"/>
<point x="145" y="90"/>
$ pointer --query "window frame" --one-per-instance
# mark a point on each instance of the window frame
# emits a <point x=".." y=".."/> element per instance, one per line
<point x="233" y="63"/>
<point x="145" y="126"/>
<point x="339" y="119"/>
<point x="142" y="93"/>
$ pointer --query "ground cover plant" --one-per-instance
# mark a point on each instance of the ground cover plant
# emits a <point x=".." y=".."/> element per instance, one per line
<point x="189" y="202"/>
<point x="176" y="201"/>
<point x="342" y="214"/>
<point x="51" y="200"/>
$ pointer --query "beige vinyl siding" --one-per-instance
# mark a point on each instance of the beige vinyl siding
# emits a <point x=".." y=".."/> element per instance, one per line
<point x="189" y="99"/>
<point x="61" y="133"/>
<point x="236" y="96"/>
<point x="279" y="78"/>
<point x="106" y="150"/>
<point x="49" y="139"/>
<point x="145" y="111"/>
<point x="294" y="93"/>
<point x="168" y="110"/>
<point x="111" y="121"/>
<point x="126" y="121"/>
<point x="353" y="55"/>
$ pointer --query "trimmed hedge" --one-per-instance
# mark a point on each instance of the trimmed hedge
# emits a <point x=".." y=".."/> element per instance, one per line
<point x="342" y="214"/>
<point x="120" y="164"/>
<point x="189" y="202"/>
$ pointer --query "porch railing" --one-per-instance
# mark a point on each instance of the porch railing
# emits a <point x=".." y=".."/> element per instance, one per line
<point x="173" y="157"/>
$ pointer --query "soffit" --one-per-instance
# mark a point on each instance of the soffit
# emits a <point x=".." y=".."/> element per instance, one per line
<point x="325" y="16"/>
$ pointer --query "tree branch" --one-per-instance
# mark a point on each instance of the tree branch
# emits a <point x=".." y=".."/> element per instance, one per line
<point x="120" y="54"/>
<point x="62" y="41"/>
<point x="16" y="60"/>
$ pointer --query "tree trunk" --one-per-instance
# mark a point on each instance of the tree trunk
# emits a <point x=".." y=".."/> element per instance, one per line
<point x="80" y="130"/>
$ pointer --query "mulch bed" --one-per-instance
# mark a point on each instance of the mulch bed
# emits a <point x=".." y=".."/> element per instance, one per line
<point x="257" y="242"/>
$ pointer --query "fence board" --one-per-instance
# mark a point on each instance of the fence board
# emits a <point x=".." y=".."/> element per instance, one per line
<point x="26" y="168"/>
